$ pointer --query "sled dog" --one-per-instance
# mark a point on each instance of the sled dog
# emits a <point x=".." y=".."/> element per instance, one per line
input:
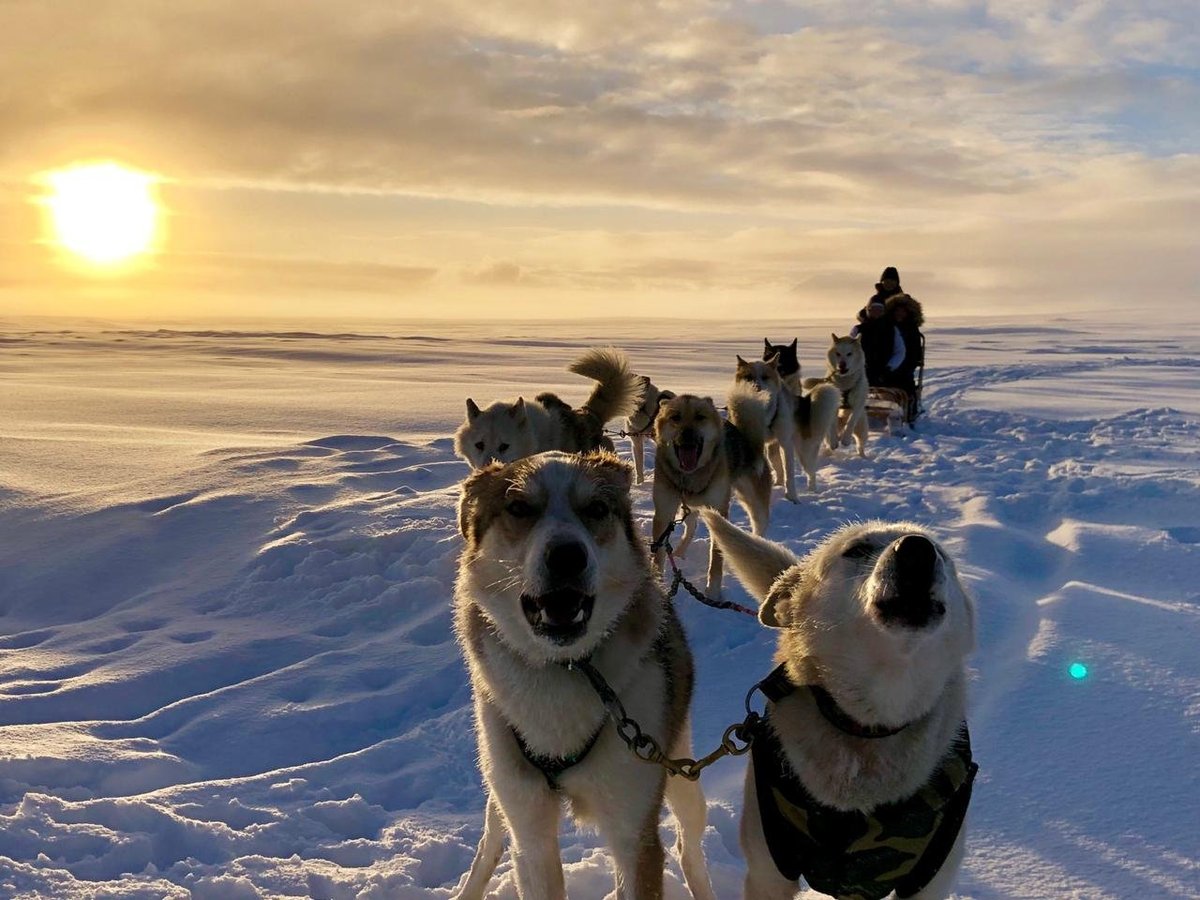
<point x="702" y="460"/>
<point x="789" y="362"/>
<point x="816" y="423"/>
<point x="847" y="372"/>
<point x="861" y="774"/>
<point x="781" y="418"/>
<point x="640" y="424"/>
<point x="507" y="431"/>
<point x="553" y="571"/>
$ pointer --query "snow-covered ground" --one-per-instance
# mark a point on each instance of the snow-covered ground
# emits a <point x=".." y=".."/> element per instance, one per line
<point x="226" y="557"/>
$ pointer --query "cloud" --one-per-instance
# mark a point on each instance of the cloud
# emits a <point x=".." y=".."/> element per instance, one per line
<point x="773" y="148"/>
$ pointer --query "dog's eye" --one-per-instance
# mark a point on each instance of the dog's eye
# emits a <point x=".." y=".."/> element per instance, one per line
<point x="520" y="509"/>
<point x="676" y="417"/>
<point x="698" y="418"/>
<point x="859" y="550"/>
<point x="501" y="448"/>
<point x="479" y="445"/>
<point x="596" y="509"/>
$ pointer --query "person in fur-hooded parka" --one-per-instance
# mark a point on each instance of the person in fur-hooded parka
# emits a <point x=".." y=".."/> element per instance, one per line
<point x="905" y="311"/>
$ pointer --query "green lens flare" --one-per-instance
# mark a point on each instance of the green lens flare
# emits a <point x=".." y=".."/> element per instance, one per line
<point x="1078" y="670"/>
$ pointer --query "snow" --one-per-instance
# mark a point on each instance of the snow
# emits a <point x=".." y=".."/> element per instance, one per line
<point x="226" y="557"/>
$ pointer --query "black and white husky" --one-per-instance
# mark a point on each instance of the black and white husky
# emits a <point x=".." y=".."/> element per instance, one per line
<point x="553" y="571"/>
<point x="860" y="779"/>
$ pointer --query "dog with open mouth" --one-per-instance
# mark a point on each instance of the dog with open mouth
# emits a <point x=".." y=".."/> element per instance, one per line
<point x="701" y="459"/>
<point x="861" y="773"/>
<point x="553" y="573"/>
<point x="847" y="371"/>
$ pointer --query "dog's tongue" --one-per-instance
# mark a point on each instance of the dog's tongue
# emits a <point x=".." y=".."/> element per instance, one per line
<point x="688" y="456"/>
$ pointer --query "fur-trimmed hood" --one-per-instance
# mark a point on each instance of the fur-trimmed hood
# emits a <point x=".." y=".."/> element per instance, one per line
<point x="915" y="314"/>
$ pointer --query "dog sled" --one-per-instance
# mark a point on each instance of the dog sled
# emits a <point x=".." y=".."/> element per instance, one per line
<point x="896" y="407"/>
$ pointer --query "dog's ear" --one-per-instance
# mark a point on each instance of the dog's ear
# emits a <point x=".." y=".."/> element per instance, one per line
<point x="478" y="496"/>
<point x="741" y="363"/>
<point x="795" y="342"/>
<point x="755" y="561"/>
<point x="663" y="396"/>
<point x="773" y="362"/>
<point x="835" y="337"/>
<point x="766" y="345"/>
<point x="472" y="410"/>
<point x="517" y="411"/>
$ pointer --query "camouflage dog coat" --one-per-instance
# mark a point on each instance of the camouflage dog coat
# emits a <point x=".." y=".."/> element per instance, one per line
<point x="862" y="856"/>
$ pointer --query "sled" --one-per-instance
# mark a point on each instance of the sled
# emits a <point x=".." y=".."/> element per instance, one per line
<point x="896" y="407"/>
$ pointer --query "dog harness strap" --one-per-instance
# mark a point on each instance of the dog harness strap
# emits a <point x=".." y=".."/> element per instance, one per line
<point x="898" y="846"/>
<point x="838" y="718"/>
<point x="777" y="685"/>
<point x="553" y="766"/>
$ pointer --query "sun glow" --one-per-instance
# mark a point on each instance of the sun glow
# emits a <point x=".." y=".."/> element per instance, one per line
<point x="104" y="213"/>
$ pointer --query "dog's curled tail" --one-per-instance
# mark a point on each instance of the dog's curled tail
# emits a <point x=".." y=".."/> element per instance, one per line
<point x="750" y="410"/>
<point x="618" y="390"/>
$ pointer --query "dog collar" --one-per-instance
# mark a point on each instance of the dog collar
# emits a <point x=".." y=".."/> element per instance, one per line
<point x="777" y="685"/>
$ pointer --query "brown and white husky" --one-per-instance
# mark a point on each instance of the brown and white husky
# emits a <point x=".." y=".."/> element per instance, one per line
<point x="554" y="571"/>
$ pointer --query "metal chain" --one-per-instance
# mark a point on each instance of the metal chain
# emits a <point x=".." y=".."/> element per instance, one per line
<point x="736" y="740"/>
<point x="663" y="541"/>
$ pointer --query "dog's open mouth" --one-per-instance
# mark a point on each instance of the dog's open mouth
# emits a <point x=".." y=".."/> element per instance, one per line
<point x="688" y="454"/>
<point x="560" y="615"/>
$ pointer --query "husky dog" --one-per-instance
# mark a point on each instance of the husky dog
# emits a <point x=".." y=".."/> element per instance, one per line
<point x="789" y="362"/>
<point x="553" y="571"/>
<point x="816" y="422"/>
<point x="702" y="460"/>
<point x="861" y="775"/>
<point x="847" y="372"/>
<point x="507" y="431"/>
<point x="640" y="423"/>
<point x="781" y="418"/>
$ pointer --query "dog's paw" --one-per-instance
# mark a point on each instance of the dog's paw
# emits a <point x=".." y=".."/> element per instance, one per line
<point x="791" y="497"/>
<point x="712" y="592"/>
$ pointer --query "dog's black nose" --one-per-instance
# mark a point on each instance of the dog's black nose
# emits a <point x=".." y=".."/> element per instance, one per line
<point x="909" y="601"/>
<point x="915" y="560"/>
<point x="566" y="560"/>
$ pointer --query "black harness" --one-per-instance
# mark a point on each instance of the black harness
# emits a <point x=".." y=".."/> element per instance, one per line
<point x="552" y="767"/>
<point x="854" y="855"/>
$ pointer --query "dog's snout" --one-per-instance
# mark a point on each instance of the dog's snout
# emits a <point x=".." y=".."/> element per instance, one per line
<point x="566" y="560"/>
<point x="915" y="560"/>
<point x="908" y="598"/>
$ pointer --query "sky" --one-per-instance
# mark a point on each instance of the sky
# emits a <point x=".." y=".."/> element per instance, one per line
<point x="563" y="159"/>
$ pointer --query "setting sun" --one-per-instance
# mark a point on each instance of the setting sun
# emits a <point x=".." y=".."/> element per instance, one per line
<point x="105" y="213"/>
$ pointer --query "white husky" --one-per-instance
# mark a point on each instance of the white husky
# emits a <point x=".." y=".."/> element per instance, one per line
<point x="639" y="425"/>
<point x="816" y="417"/>
<point x="781" y="418"/>
<point x="554" y="572"/>
<point x="861" y="774"/>
<point x="847" y="371"/>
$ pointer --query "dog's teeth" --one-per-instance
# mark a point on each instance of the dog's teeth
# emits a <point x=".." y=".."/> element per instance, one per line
<point x="578" y="618"/>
